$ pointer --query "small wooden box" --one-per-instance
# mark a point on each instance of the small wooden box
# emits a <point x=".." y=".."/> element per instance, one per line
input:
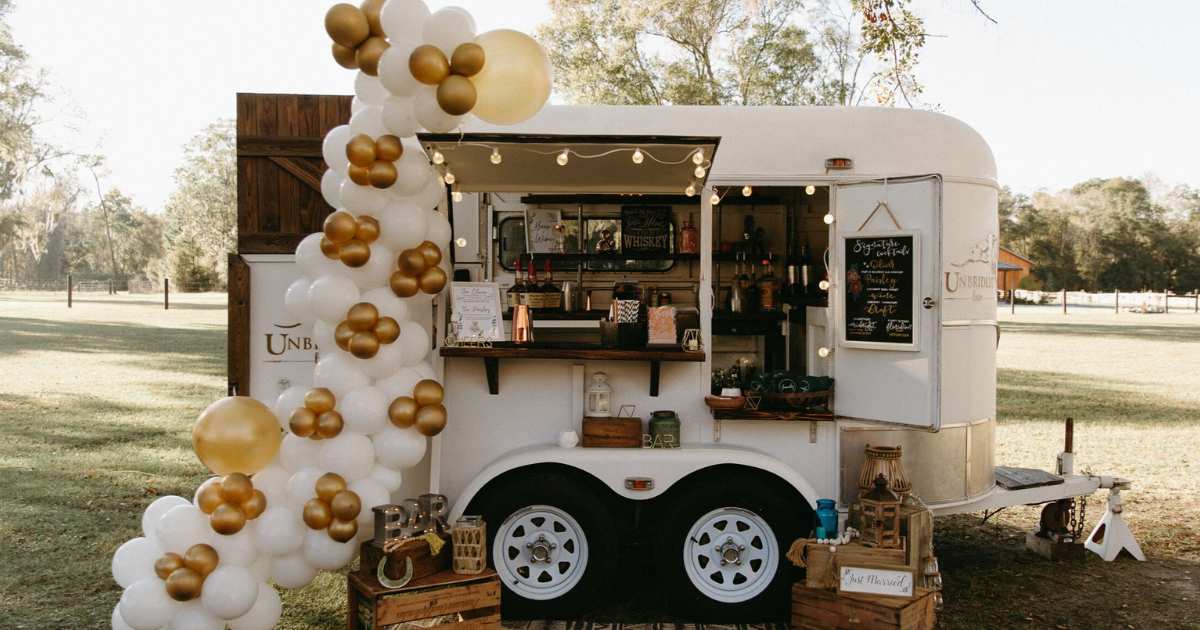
<point x="822" y="565"/>
<point x="424" y="562"/>
<point x="612" y="432"/>
<point x="820" y="609"/>
<point x="446" y="600"/>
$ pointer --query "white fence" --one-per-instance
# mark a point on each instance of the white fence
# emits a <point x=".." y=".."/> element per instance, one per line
<point x="1142" y="301"/>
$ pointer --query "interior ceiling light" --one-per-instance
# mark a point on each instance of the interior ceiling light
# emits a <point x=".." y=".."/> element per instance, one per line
<point x="700" y="172"/>
<point x="690" y="190"/>
<point x="810" y="189"/>
<point x="563" y="157"/>
<point x="496" y="157"/>
<point x="449" y="178"/>
<point x="637" y="157"/>
<point x="438" y="158"/>
<point x="698" y="157"/>
<point x="715" y="199"/>
<point x="747" y="191"/>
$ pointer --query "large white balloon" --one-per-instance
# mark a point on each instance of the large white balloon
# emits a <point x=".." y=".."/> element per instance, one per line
<point x="404" y="19"/>
<point x="272" y="481"/>
<point x="399" y="448"/>
<point x="414" y="339"/>
<point x="425" y="370"/>
<point x="297" y="453"/>
<point x="448" y="28"/>
<point x="439" y="230"/>
<point x="400" y="384"/>
<point x="145" y="605"/>
<point x="369" y="90"/>
<point x="118" y="622"/>
<point x="323" y="335"/>
<point x="364" y="410"/>
<point x="280" y="531"/>
<point x="312" y="261"/>
<point x="323" y="552"/>
<point x="430" y="114"/>
<point x="229" y="592"/>
<point x="357" y="105"/>
<point x="432" y="195"/>
<point x="368" y="121"/>
<point x="388" y="360"/>
<point x="291" y="399"/>
<point x="331" y="188"/>
<point x="398" y="114"/>
<point x="390" y="479"/>
<point x="413" y="172"/>
<point x="350" y="455"/>
<point x="387" y="303"/>
<point x="331" y="296"/>
<point x="155" y="511"/>
<point x="264" y="614"/>
<point x="134" y="561"/>
<point x="261" y="567"/>
<point x="338" y="373"/>
<point x="334" y="148"/>
<point x="363" y="199"/>
<point x="194" y="616"/>
<point x="395" y="75"/>
<point x="291" y="571"/>
<point x="181" y="527"/>
<point x="403" y="225"/>
<point x="302" y="486"/>
<point x="238" y="549"/>
<point x="371" y="493"/>
<point x="378" y="269"/>
<point x="295" y="301"/>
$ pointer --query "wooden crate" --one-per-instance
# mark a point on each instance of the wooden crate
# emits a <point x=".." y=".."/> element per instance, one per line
<point x="820" y="609"/>
<point x="612" y="432"/>
<point x="822" y="565"/>
<point x="447" y="601"/>
<point x="424" y="562"/>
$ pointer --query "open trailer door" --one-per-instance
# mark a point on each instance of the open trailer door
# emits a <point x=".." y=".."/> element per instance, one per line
<point x="885" y="266"/>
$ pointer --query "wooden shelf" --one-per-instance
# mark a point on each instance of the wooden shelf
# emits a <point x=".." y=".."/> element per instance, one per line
<point x="577" y="351"/>
<point x="613" y="257"/>
<point x="773" y="415"/>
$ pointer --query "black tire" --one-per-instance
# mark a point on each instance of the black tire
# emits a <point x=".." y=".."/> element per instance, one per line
<point x="784" y="511"/>
<point x="584" y="503"/>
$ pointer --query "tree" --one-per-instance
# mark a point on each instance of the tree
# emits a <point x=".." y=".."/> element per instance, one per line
<point x="202" y="212"/>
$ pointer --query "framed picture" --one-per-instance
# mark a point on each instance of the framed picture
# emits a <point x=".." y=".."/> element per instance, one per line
<point x="879" y="291"/>
<point x="475" y="313"/>
<point x="882" y="579"/>
<point x="544" y="231"/>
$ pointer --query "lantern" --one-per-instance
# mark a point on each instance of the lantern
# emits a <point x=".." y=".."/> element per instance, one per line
<point x="881" y="516"/>
<point x="599" y="397"/>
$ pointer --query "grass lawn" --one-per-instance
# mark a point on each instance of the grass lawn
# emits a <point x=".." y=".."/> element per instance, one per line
<point x="96" y="403"/>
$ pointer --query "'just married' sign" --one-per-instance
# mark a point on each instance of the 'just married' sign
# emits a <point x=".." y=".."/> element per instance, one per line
<point x="896" y="583"/>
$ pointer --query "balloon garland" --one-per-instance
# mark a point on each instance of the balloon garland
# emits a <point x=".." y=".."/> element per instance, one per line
<point x="295" y="482"/>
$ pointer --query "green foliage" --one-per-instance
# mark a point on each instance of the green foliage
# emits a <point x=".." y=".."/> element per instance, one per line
<point x="201" y="214"/>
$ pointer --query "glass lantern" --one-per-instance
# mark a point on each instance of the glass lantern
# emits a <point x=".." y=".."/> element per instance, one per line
<point x="599" y="397"/>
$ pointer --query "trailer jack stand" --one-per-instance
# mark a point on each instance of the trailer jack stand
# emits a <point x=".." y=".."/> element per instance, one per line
<point x="1112" y="534"/>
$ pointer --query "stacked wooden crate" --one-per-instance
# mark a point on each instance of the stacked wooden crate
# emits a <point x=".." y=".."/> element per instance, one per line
<point x="446" y="600"/>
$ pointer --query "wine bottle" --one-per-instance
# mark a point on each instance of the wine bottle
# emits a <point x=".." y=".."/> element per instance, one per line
<point x="551" y="293"/>
<point x="534" y="296"/>
<point x="514" y="293"/>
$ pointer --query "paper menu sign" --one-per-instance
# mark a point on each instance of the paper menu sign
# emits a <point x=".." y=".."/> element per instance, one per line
<point x="475" y="313"/>
<point x="543" y="231"/>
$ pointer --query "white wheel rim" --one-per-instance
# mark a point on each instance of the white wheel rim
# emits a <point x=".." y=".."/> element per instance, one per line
<point x="540" y="552"/>
<point x="746" y="543"/>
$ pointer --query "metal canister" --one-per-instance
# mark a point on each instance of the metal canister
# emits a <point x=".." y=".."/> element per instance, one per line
<point x="664" y="429"/>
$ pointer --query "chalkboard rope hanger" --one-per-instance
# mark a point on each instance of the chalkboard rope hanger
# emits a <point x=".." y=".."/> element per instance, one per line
<point x="888" y="209"/>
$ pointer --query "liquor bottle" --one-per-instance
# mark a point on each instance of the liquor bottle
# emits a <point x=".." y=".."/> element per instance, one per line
<point x="768" y="287"/>
<point x="739" y="301"/>
<point x="515" y="293"/>
<point x="689" y="238"/>
<point x="551" y="293"/>
<point x="533" y="290"/>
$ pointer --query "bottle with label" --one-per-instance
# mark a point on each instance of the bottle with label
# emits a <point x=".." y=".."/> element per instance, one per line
<point x="689" y="238"/>
<point x="515" y="293"/>
<point x="740" y="289"/>
<point x="768" y="287"/>
<point x="551" y="294"/>
<point x="533" y="289"/>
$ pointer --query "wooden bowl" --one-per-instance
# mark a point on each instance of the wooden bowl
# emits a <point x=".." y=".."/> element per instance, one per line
<point x="727" y="403"/>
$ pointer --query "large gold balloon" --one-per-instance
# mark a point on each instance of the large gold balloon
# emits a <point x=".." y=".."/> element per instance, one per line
<point x="412" y="262"/>
<point x="345" y="56"/>
<point x="342" y="335"/>
<point x="372" y="9"/>
<point x="382" y="174"/>
<point x="360" y="175"/>
<point x="347" y="25"/>
<point x="456" y="95"/>
<point x="202" y="559"/>
<point x="319" y="399"/>
<point x="167" y="565"/>
<point x="237" y="488"/>
<point x="303" y="422"/>
<point x="404" y="285"/>
<point x="317" y="514"/>
<point x="329" y="425"/>
<point x="431" y="420"/>
<point x="236" y="434"/>
<point x="467" y="60"/>
<point x="428" y="392"/>
<point x="340" y="226"/>
<point x="433" y="281"/>
<point x="369" y="53"/>
<point x="361" y="152"/>
<point x="387" y="330"/>
<point x="184" y="584"/>
<point x="209" y="496"/>
<point x="368" y="229"/>
<point x="364" y="345"/>
<point x="343" y="531"/>
<point x="354" y="253"/>
<point x="255" y="505"/>
<point x="403" y="412"/>
<point x="515" y="82"/>
<point x="389" y="148"/>
<point x="362" y="316"/>
<point x="228" y="519"/>
<point x="329" y="485"/>
<point x="428" y="64"/>
<point x="345" y="505"/>
<point x="431" y="253"/>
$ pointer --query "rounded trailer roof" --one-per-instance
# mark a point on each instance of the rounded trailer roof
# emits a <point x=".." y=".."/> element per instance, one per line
<point x="763" y="144"/>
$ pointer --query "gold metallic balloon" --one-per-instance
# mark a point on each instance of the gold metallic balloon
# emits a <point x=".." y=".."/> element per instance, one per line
<point x="328" y="485"/>
<point x="339" y="227"/>
<point x="431" y="252"/>
<point x="456" y="95"/>
<point x="303" y="422"/>
<point x="404" y="285"/>
<point x="360" y="175"/>
<point x="412" y="262"/>
<point x="431" y="420"/>
<point x="255" y="505"/>
<point x="361" y="150"/>
<point x="428" y="64"/>
<point x="343" y="531"/>
<point x="383" y="174"/>
<point x="368" y="229"/>
<point x="467" y="60"/>
<point x="167" y="565"/>
<point x="236" y="434"/>
<point x="428" y="392"/>
<point x="237" y="488"/>
<point x="317" y="514"/>
<point x="372" y="9"/>
<point x="329" y="248"/>
<point x="364" y="345"/>
<point x="202" y="559"/>
<point x="387" y="330"/>
<point x="345" y="56"/>
<point x="515" y="82"/>
<point x="403" y="412"/>
<point x="433" y="281"/>
<point x="362" y="316"/>
<point x="389" y="148"/>
<point x="184" y="584"/>
<point x="329" y="425"/>
<point x="345" y="505"/>
<point x="342" y="335"/>
<point x="369" y="53"/>
<point x="228" y="519"/>
<point x="319" y="399"/>
<point x="347" y="25"/>
<point x="354" y="253"/>
<point x="209" y="496"/>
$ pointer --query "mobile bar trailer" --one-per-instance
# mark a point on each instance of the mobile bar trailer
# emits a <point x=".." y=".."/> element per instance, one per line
<point x="913" y="367"/>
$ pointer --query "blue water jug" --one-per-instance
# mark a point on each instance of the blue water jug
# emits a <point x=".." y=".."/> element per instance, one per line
<point x="827" y="518"/>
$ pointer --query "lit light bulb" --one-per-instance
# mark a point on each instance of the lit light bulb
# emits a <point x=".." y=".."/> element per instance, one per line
<point x="563" y="157"/>
<point x="461" y="242"/>
<point x="638" y="157"/>
<point x="698" y="157"/>
<point x="457" y="196"/>
<point x="810" y="190"/>
<point x="699" y="172"/>
<point x="449" y="178"/>
<point x="824" y="284"/>
<point x="438" y="158"/>
<point x="747" y="191"/>
<point x="690" y="190"/>
<point x="828" y="219"/>
<point x="715" y="199"/>
<point x="496" y="157"/>
<point x="822" y="352"/>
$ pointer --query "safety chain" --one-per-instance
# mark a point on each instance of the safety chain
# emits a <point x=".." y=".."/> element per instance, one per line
<point x="1077" y="517"/>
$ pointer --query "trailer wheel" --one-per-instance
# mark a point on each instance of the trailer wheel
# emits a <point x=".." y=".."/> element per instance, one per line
<point x="722" y="546"/>
<point x="551" y="541"/>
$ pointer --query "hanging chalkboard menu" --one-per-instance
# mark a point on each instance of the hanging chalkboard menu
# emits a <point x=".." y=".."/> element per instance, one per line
<point x="646" y="229"/>
<point x="879" y="290"/>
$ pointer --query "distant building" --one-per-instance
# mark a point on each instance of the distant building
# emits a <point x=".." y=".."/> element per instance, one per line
<point x="1010" y="268"/>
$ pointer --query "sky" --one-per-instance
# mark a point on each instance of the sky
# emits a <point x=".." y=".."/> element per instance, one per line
<point x="1063" y="91"/>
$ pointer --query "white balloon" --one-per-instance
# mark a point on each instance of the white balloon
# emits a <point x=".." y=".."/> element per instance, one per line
<point x="303" y="486"/>
<point x="118" y="622"/>
<point x="403" y="225"/>
<point x="448" y="28"/>
<point x="238" y="549"/>
<point x="272" y="481"/>
<point x="432" y="195"/>
<point x="400" y="384"/>
<point x="291" y="571"/>
<point x="390" y="479"/>
<point x="323" y="336"/>
<point x="323" y="552"/>
<point x="134" y="561"/>
<point x="368" y="121"/>
<point x="338" y="373"/>
<point x="360" y="200"/>
<point x="425" y="370"/>
<point x="261" y="569"/>
<point x="181" y="527"/>
<point x="414" y="339"/>
<point x="229" y="592"/>
<point x="398" y="114"/>
<point x="356" y="105"/>
<point x="280" y="531"/>
<point x="155" y="511"/>
<point x="312" y="261"/>
<point x="295" y="301"/>
<point x="331" y="296"/>
<point x="193" y="616"/>
<point x="394" y="72"/>
<point x="378" y="270"/>
<point x="413" y="173"/>
<point x="430" y="115"/>
<point x="334" y="148"/>
<point x="387" y="303"/>
<point x="350" y="455"/>
<point x="287" y="402"/>
<point x="404" y="19"/>
<point x="264" y="614"/>
<point x="388" y="360"/>
<point x="439" y="230"/>
<point x="371" y="493"/>
<point x="364" y="410"/>
<point x="331" y="188"/>
<point x="297" y="453"/>
<point x="145" y="605"/>
<point x="369" y="90"/>
<point x="399" y="448"/>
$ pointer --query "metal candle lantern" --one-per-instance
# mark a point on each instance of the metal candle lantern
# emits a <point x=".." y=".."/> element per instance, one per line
<point x="470" y="545"/>
<point x="881" y="516"/>
<point x="599" y="397"/>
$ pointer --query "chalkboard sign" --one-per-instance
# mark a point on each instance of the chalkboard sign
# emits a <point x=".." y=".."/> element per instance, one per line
<point x="879" y="290"/>
<point x="646" y="229"/>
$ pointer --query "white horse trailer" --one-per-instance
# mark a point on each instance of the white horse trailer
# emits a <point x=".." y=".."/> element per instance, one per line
<point x="719" y="512"/>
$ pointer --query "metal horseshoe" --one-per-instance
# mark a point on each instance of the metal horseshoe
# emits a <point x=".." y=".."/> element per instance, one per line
<point x="390" y="583"/>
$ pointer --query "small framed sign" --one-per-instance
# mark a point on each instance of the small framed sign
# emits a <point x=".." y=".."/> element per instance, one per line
<point x="880" y="290"/>
<point x="893" y="581"/>
<point x="646" y="229"/>
<point x="544" y="231"/>
<point x="475" y="313"/>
